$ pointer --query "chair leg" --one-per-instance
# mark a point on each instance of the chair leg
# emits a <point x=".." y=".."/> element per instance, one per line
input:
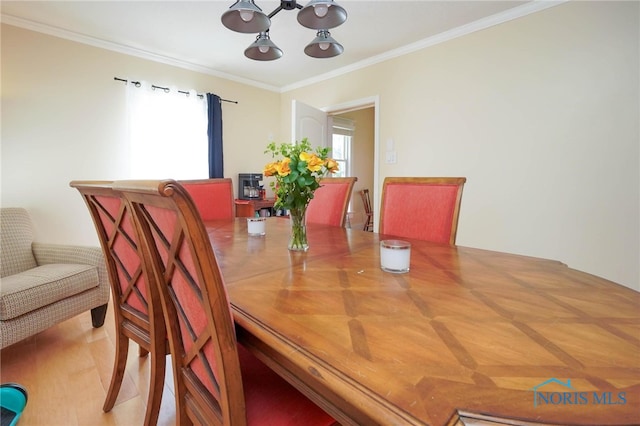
<point x="119" y="365"/>
<point x="156" y="385"/>
<point x="98" y="315"/>
<point x="368" y="225"/>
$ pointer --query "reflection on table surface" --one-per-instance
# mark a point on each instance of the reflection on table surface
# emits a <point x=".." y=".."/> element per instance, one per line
<point x="465" y="331"/>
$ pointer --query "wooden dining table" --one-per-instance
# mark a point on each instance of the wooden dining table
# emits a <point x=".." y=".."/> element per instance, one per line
<point x="467" y="336"/>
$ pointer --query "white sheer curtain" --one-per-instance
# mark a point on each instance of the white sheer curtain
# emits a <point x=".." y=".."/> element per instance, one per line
<point x="167" y="133"/>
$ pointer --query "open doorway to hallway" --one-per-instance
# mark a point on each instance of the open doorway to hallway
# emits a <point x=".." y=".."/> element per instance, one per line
<point x="308" y="120"/>
<point x="362" y="159"/>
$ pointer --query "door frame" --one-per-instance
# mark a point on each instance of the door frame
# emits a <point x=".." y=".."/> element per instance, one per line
<point x="368" y="102"/>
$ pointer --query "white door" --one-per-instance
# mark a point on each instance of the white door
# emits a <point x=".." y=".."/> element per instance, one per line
<point x="311" y="123"/>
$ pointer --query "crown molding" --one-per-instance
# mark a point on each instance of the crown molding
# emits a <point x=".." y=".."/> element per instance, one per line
<point x="481" y="24"/>
<point x="127" y="50"/>
<point x="490" y="21"/>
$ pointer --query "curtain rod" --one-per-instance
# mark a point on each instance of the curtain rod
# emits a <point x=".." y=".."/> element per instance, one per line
<point x="166" y="89"/>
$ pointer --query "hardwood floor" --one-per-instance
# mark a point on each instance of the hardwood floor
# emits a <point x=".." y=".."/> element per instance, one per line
<point x="67" y="369"/>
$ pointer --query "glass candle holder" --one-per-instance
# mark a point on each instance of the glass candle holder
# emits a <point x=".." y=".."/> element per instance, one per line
<point x="395" y="256"/>
<point x="257" y="226"/>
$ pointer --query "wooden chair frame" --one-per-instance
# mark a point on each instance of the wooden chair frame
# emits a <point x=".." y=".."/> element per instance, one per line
<point x="193" y="403"/>
<point x="368" y="211"/>
<point x="438" y="181"/>
<point x="147" y="329"/>
<point x="206" y="359"/>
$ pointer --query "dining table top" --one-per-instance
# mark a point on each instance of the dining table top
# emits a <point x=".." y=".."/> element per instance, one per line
<point x="467" y="335"/>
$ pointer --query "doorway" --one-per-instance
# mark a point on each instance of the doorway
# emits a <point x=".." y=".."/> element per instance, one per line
<point x="365" y="112"/>
<point x="362" y="160"/>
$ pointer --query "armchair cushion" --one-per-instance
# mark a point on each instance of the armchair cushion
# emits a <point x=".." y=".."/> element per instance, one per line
<point x="43" y="285"/>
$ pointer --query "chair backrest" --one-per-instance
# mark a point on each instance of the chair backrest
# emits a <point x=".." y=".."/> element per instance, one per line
<point x="213" y="197"/>
<point x="207" y="378"/>
<point x="16" y="237"/>
<point x="366" y="201"/>
<point x="330" y="202"/>
<point x="368" y="211"/>
<point x="137" y="311"/>
<point x="425" y="208"/>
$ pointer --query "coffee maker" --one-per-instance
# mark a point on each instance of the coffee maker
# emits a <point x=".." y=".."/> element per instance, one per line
<point x="249" y="186"/>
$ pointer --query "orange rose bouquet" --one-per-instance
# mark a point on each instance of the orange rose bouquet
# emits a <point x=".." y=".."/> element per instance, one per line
<point x="297" y="176"/>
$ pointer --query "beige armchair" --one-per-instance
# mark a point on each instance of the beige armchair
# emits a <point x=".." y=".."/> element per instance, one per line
<point x="44" y="284"/>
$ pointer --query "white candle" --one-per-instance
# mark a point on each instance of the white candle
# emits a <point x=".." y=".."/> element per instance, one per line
<point x="395" y="256"/>
<point x="257" y="226"/>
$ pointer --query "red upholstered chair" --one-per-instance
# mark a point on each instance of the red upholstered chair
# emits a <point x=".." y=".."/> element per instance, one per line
<point x="425" y="208"/>
<point x="213" y="197"/>
<point x="216" y="380"/>
<point x="330" y="202"/>
<point x="137" y="308"/>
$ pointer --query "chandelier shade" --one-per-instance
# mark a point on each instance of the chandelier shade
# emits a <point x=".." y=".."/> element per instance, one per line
<point x="244" y="16"/>
<point x="322" y="14"/>
<point x="263" y="49"/>
<point x="323" y="46"/>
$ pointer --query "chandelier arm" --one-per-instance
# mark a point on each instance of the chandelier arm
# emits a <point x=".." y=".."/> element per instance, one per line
<point x="272" y="14"/>
<point x="285" y="5"/>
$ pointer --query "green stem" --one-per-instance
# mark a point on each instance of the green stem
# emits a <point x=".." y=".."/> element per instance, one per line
<point x="298" y="241"/>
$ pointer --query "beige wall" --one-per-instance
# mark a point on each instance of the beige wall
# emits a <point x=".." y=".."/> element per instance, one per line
<point x="540" y="114"/>
<point x="63" y="118"/>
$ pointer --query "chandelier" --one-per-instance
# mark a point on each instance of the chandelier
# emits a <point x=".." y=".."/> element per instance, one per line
<point x="246" y="17"/>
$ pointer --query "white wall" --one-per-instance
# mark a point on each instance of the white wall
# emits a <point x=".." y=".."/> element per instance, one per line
<point x="541" y="114"/>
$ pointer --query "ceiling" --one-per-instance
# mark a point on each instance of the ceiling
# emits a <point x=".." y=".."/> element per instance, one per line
<point x="189" y="34"/>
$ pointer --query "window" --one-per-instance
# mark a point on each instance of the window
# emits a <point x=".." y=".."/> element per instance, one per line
<point x="343" y="130"/>
<point x="167" y="134"/>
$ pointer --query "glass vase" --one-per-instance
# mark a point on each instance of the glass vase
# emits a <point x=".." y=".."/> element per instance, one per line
<point x="298" y="237"/>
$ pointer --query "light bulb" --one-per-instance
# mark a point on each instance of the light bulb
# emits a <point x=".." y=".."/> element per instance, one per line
<point x="320" y="10"/>
<point x="263" y="49"/>
<point x="324" y="46"/>
<point x="246" y="15"/>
